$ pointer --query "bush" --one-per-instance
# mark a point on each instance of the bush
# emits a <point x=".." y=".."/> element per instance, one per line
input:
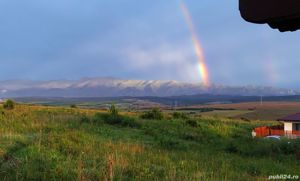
<point x="190" y="136"/>
<point x="99" y="118"/>
<point x="168" y="143"/>
<point x="155" y="113"/>
<point x="73" y="106"/>
<point x="115" y="119"/>
<point x="84" y="119"/>
<point x="129" y="122"/>
<point x="231" y="148"/>
<point x="297" y="154"/>
<point x="192" y="123"/>
<point x="113" y="110"/>
<point x="179" y="115"/>
<point x="9" y="104"/>
<point x="125" y="121"/>
<point x="171" y="143"/>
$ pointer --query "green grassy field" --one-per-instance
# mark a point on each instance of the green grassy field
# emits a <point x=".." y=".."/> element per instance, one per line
<point x="46" y="143"/>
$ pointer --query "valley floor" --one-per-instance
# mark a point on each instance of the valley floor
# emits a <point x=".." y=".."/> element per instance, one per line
<point x="48" y="143"/>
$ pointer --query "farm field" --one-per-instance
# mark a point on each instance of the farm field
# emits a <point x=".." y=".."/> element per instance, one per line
<point x="54" y="143"/>
<point x="226" y="113"/>
<point x="125" y="103"/>
<point x="254" y="110"/>
<point x="269" y="110"/>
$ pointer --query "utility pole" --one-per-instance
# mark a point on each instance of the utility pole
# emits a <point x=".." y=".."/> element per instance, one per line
<point x="175" y="105"/>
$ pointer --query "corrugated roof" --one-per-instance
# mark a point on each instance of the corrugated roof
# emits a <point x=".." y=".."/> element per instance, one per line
<point x="291" y="118"/>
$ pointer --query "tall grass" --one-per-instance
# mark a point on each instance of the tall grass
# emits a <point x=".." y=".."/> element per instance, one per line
<point x="47" y="143"/>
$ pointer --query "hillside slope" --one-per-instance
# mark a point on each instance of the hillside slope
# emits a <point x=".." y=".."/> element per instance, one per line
<point x="45" y="143"/>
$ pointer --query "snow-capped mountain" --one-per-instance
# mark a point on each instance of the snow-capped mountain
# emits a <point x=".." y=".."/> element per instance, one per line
<point x="112" y="87"/>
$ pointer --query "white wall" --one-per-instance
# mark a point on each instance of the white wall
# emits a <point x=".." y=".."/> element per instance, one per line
<point x="288" y="126"/>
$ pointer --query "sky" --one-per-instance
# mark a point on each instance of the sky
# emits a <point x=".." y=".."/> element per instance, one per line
<point x="142" y="39"/>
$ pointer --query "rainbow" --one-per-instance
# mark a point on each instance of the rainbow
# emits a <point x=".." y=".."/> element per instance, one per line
<point x="197" y="45"/>
<point x="271" y="71"/>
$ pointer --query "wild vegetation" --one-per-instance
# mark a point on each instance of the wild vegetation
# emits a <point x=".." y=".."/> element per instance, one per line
<point x="51" y="143"/>
<point x="9" y="104"/>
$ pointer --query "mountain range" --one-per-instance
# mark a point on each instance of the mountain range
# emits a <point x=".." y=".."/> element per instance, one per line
<point x="113" y="87"/>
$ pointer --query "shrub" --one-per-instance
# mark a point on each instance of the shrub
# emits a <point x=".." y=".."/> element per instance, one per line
<point x="100" y="116"/>
<point x="73" y="106"/>
<point x="179" y="115"/>
<point x="170" y="143"/>
<point x="286" y="147"/>
<point x="129" y="122"/>
<point x="115" y="119"/>
<point x="84" y="119"/>
<point x="113" y="110"/>
<point x="231" y="148"/>
<point x="297" y="154"/>
<point x="190" y="136"/>
<point x="155" y="113"/>
<point x="9" y="104"/>
<point x="125" y="121"/>
<point x="192" y="123"/>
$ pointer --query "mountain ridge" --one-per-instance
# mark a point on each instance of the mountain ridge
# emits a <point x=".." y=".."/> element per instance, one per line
<point x="114" y="87"/>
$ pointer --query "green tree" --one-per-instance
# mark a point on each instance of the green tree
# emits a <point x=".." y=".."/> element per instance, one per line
<point x="113" y="110"/>
<point x="9" y="104"/>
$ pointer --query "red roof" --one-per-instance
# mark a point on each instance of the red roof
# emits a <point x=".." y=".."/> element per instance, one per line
<point x="291" y="118"/>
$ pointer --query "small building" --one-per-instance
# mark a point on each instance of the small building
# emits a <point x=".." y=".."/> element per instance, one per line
<point x="291" y="123"/>
<point x="290" y="128"/>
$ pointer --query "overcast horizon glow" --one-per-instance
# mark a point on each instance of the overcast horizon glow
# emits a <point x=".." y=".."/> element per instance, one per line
<point x="139" y="39"/>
